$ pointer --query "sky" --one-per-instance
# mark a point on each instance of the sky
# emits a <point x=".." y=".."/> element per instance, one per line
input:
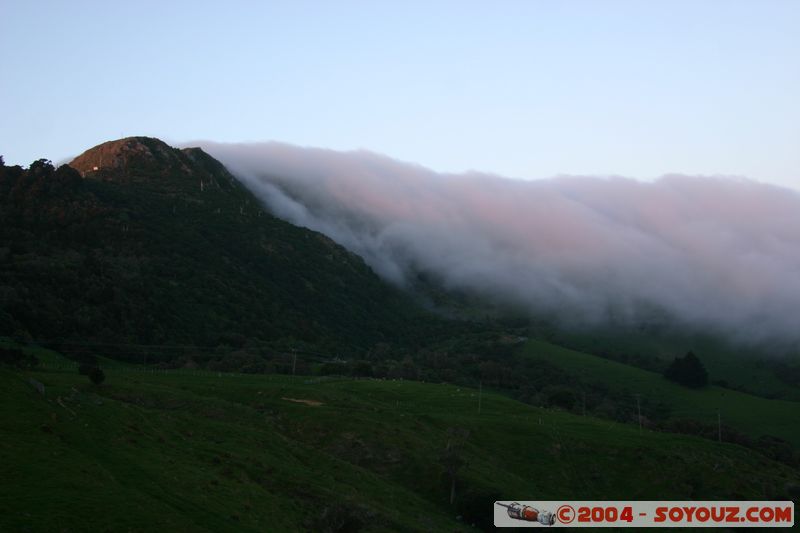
<point x="529" y="89"/>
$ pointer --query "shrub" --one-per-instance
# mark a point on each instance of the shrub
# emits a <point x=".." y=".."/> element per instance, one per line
<point x="18" y="358"/>
<point x="473" y="507"/>
<point x="687" y="371"/>
<point x="93" y="372"/>
<point x="96" y="375"/>
<point x="560" y="396"/>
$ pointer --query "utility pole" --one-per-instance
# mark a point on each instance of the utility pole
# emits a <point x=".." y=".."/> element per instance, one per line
<point x="719" y="426"/>
<point x="480" y="395"/>
<point x="294" y="360"/>
<point x="639" y="410"/>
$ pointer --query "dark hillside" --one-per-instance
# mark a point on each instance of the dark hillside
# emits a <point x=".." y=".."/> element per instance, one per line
<point x="142" y="243"/>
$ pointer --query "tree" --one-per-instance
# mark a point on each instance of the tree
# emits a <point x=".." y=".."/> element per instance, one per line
<point x="18" y="358"/>
<point x="96" y="375"/>
<point x="41" y="167"/>
<point x="687" y="371"/>
<point x="361" y="368"/>
<point x="409" y="369"/>
<point x="93" y="372"/>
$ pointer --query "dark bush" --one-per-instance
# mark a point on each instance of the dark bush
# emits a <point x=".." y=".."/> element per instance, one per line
<point x="332" y="369"/>
<point x="560" y="396"/>
<point x="687" y="371"/>
<point x="18" y="358"/>
<point x="96" y="375"/>
<point x="361" y="369"/>
<point x="776" y="448"/>
<point x="10" y="356"/>
<point x="476" y="507"/>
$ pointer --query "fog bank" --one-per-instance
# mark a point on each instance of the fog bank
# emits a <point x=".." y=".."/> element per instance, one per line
<point x="711" y="253"/>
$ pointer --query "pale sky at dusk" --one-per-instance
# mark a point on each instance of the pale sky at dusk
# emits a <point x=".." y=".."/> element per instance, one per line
<point x="524" y="89"/>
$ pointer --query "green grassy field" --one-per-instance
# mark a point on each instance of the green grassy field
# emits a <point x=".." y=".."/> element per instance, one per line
<point x="746" y="367"/>
<point x="752" y="415"/>
<point x="202" y="451"/>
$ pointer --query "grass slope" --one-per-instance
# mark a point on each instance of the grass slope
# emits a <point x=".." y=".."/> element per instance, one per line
<point x="750" y="368"/>
<point x="204" y="452"/>
<point x="749" y="414"/>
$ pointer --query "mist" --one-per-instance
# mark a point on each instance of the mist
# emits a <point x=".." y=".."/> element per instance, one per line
<point x="714" y="254"/>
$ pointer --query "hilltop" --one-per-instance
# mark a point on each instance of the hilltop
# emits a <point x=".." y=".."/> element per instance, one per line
<point x="148" y="157"/>
<point x="138" y="243"/>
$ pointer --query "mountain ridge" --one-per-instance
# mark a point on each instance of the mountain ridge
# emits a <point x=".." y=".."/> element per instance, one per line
<point x="135" y="243"/>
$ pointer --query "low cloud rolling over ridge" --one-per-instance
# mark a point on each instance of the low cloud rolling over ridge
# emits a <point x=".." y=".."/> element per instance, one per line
<point x="714" y="254"/>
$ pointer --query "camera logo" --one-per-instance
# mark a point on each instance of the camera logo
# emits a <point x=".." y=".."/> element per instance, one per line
<point x="527" y="513"/>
